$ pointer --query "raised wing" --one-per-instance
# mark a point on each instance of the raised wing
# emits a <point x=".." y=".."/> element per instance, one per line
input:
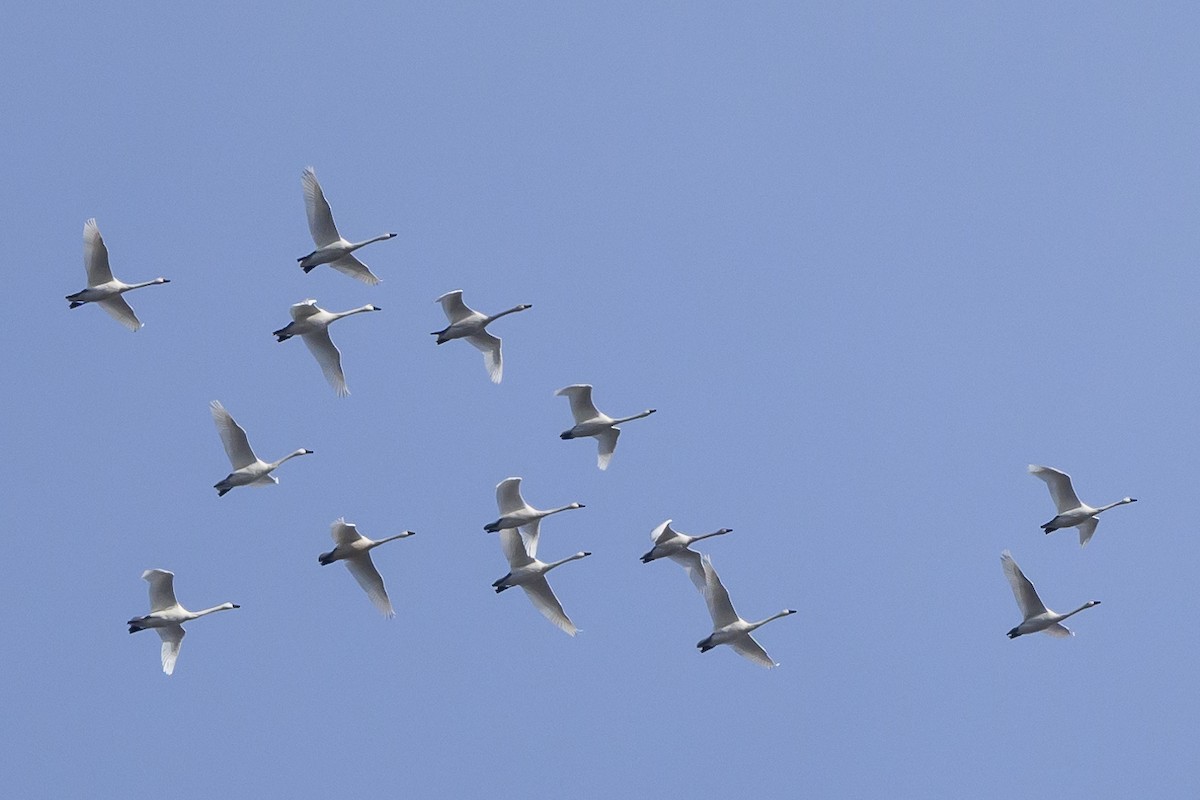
<point x="304" y="310"/>
<point x="580" y="395"/>
<point x="349" y="265"/>
<point x="1059" y="631"/>
<point x="531" y="532"/>
<point x="162" y="589"/>
<point x="513" y="545"/>
<point x="320" y="217"/>
<point x="1027" y="597"/>
<point x="363" y="570"/>
<point x="1086" y="529"/>
<point x="747" y="647"/>
<point x="329" y="357"/>
<point x="664" y="532"/>
<point x="237" y="446"/>
<point x="1061" y="490"/>
<point x="344" y="532"/>
<point x="119" y="310"/>
<point x="454" y="307"/>
<point x="543" y="599"/>
<point x="95" y="255"/>
<point x="690" y="561"/>
<point x="606" y="443"/>
<point x="172" y="638"/>
<point x="720" y="608"/>
<point x="508" y="496"/>
<point x="489" y="345"/>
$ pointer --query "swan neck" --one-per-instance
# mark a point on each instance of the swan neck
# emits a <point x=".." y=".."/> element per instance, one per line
<point x="366" y="242"/>
<point x="635" y="416"/>
<point x="709" y="535"/>
<point x="562" y="561"/>
<point x="762" y="622"/>
<point x="289" y="455"/>
<point x="512" y="310"/>
<point x="391" y="538"/>
<point x="1076" y="611"/>
<point x="213" y="610"/>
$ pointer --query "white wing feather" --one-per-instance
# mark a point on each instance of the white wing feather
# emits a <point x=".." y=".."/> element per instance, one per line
<point x="493" y="359"/>
<point x="120" y="310"/>
<point x="720" y="608"/>
<point x="690" y="561"/>
<point x="1027" y="597"/>
<point x="454" y="307"/>
<point x="95" y="255"/>
<point x="329" y="357"/>
<point x="543" y="599"/>
<point x="746" y="646"/>
<point x="237" y="446"/>
<point x="162" y="589"/>
<point x="363" y="570"/>
<point x="606" y="443"/>
<point x="172" y="638"/>
<point x="349" y="265"/>
<point x="1061" y="490"/>
<point x="580" y="395"/>
<point x="320" y="217"/>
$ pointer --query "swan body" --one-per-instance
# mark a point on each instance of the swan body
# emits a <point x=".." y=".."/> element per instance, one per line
<point x="516" y="513"/>
<point x="167" y="616"/>
<point x="355" y="549"/>
<point x="590" y="422"/>
<point x="1072" y="513"/>
<point x="728" y="627"/>
<point x="1037" y="616"/>
<point x="311" y="323"/>
<point x="670" y="543"/>
<point x="526" y="571"/>
<point x="332" y="249"/>
<point x="248" y="469"/>
<point x="103" y="289"/>
<point x="467" y="323"/>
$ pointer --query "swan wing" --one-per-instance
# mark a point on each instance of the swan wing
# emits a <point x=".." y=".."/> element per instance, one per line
<point x="172" y="638"/>
<point x="344" y="532"/>
<point x="606" y="442"/>
<point x="508" y="496"/>
<point x="690" y="561"/>
<point x="1027" y="597"/>
<point x="1059" y="631"/>
<point x="237" y="446"/>
<point x="119" y="310"/>
<point x="489" y="345"/>
<point x="747" y="647"/>
<point x="1061" y="490"/>
<point x="304" y="310"/>
<point x="320" y="217"/>
<point x="515" y="549"/>
<point x="1086" y="529"/>
<point x="580" y="395"/>
<point x="543" y="599"/>
<point x="662" y="533"/>
<point x="454" y="307"/>
<point x="330" y="359"/>
<point x="720" y="608"/>
<point x="162" y="589"/>
<point x="349" y="265"/>
<point x="531" y="532"/>
<point x="95" y="255"/>
<point x="363" y="570"/>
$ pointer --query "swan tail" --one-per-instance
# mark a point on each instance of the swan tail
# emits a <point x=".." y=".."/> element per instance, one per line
<point x="1013" y="633"/>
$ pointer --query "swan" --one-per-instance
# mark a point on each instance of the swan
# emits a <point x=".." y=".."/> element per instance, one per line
<point x="670" y="543"/>
<point x="728" y="627"/>
<point x="1037" y="616"/>
<point x="355" y="549"/>
<point x="590" y="422"/>
<point x="530" y="574"/>
<point x="167" y="616"/>
<point x="1071" y="512"/>
<point x="311" y="322"/>
<point x="516" y="513"/>
<point x="467" y="323"/>
<point x="248" y="469"/>
<point x="332" y="249"/>
<point x="103" y="289"/>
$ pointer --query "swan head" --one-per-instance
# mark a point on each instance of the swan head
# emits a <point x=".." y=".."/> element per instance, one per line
<point x="725" y="530"/>
<point x="304" y="452"/>
<point x="162" y="280"/>
<point x="525" y="306"/>
<point x="1091" y="603"/>
<point x="577" y="505"/>
<point x="231" y="605"/>
<point x="390" y="235"/>
<point x="1129" y="500"/>
<point x="583" y="554"/>
<point x="370" y="307"/>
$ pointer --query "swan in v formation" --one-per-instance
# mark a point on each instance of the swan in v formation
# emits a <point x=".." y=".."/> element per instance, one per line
<point x="311" y="323"/>
<point x="248" y="469"/>
<point x="1037" y="616"/>
<point x="728" y="627"/>
<point x="526" y="571"/>
<point x="467" y="323"/>
<point x="332" y="249"/>
<point x="516" y="513"/>
<point x="590" y="422"/>
<point x="670" y="543"/>
<point x="103" y="289"/>
<point x="167" y="616"/>
<point x="1072" y="513"/>
<point x="355" y="549"/>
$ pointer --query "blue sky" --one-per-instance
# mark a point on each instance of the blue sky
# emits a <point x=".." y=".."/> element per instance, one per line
<point x="866" y="262"/>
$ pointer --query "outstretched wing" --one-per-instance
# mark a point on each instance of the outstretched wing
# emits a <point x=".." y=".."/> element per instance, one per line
<point x="1086" y="529"/>
<point x="162" y="589"/>
<point x="349" y="265"/>
<point x="580" y="395"/>
<point x="489" y="345"/>
<point x="320" y="217"/>
<point x="344" y="532"/>
<point x="237" y="446"/>
<point x="363" y="570"/>
<point x="119" y="310"/>
<point x="329" y="357"/>
<point x="513" y="545"/>
<point x="304" y="310"/>
<point x="690" y="561"/>
<point x="454" y="307"/>
<point x="172" y="638"/>
<point x="95" y="255"/>
<point x="747" y="647"/>
<point x="543" y="599"/>
<point x="720" y="608"/>
<point x="664" y="532"/>
<point x="1027" y="597"/>
<point x="606" y="443"/>
<point x="1061" y="490"/>
<point x="1059" y="631"/>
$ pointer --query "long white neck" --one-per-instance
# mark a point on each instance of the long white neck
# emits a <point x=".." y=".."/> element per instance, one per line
<point x="645" y="413"/>
<point x="359" y="310"/>
<point x="356" y="245"/>
<point x="213" y="610"/>
<point x="512" y="310"/>
<point x="560" y="562"/>
<point x="1076" y="611"/>
<point x="761" y="622"/>
<point x="144" y="283"/>
<point x="391" y="539"/>
<point x="550" y="511"/>
<point x="721" y="532"/>
<point x="1120" y="502"/>
<point x="301" y="452"/>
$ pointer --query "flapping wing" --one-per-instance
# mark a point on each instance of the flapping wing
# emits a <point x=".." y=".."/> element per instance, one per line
<point x="162" y="589"/>
<point x="662" y="533"/>
<point x="513" y="545"/>
<point x="508" y="496"/>
<point x="690" y="561"/>
<point x="747" y="647"/>
<point x="543" y="599"/>
<point x="320" y="217"/>
<point x="606" y="443"/>
<point x="720" y="608"/>
<point x="237" y="446"/>
<point x="349" y="265"/>
<point x="1086" y="529"/>
<point x="1061" y="490"/>
<point x="580" y="395"/>
<point x="329" y="357"/>
<point x="1027" y="597"/>
<point x="95" y="255"/>
<point x="172" y="638"/>
<point x="344" y="532"/>
<point x="1059" y="631"/>
<point x="454" y="307"/>
<point x="363" y="570"/>
<point x="304" y="310"/>
<point x="489" y="345"/>
<point x="119" y="310"/>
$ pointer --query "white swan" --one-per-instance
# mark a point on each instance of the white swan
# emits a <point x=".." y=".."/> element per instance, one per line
<point x="1037" y="616"/>
<point x="248" y="469"/>
<point x="355" y="549"/>
<point x="167" y="616"/>
<point x="332" y="249"/>
<point x="1072" y="513"/>
<point x="728" y="627"/>
<point x="590" y="422"/>
<point x="670" y="543"/>
<point x="516" y="513"/>
<point x="467" y="323"/>
<point x="530" y="574"/>
<point x="103" y="289"/>
<point x="311" y="322"/>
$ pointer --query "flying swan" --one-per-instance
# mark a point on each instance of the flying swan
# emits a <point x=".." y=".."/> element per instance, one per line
<point x="728" y="627"/>
<point x="670" y="543"/>
<point x="516" y="513"/>
<point x="103" y="289"/>
<point x="1037" y="616"/>
<point x="332" y="249"/>
<point x="248" y="469"/>
<point x="311" y="323"/>
<point x="167" y="616"/>
<point x="1072" y="513"/>
<point x="530" y="574"/>
<point x="355" y="549"/>
<point x="590" y="422"/>
<point x="467" y="323"/>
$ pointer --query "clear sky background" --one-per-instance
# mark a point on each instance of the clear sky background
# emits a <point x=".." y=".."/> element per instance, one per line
<point x="867" y="262"/>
